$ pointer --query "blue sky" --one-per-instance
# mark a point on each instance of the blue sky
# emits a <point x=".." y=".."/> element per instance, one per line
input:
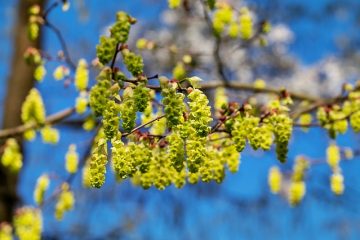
<point x="242" y="207"/>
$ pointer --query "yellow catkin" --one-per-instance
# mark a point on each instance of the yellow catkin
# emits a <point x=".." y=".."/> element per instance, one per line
<point x="259" y="84"/>
<point x="71" y="159"/>
<point x="86" y="174"/>
<point x="275" y="180"/>
<point x="234" y="29"/>
<point x="301" y="164"/>
<point x="337" y="183"/>
<point x="89" y="124"/>
<point x="50" y="135"/>
<point x="33" y="109"/>
<point x="305" y="120"/>
<point x="179" y="71"/>
<point x="28" y="223"/>
<point x="81" y="103"/>
<point x="333" y="155"/>
<point x="40" y="73"/>
<point x="29" y="135"/>
<point x="297" y="192"/>
<point x="81" y="75"/>
<point x="221" y="98"/>
<point x="12" y="157"/>
<point x="60" y="73"/>
<point x="246" y="24"/>
<point x="42" y="185"/>
<point x="65" y="202"/>
<point x="141" y="43"/>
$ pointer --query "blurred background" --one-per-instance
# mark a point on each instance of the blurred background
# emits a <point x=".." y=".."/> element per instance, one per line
<point x="313" y="48"/>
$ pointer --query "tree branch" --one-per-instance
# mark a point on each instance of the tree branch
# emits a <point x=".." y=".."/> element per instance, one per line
<point x="52" y="119"/>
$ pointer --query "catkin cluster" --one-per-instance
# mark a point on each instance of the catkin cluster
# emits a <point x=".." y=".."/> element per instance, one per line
<point x="133" y="62"/>
<point x="119" y="34"/>
<point x="12" y="157"/>
<point x="98" y="161"/>
<point x="128" y="110"/>
<point x="275" y="179"/>
<point x="297" y="188"/>
<point x="28" y="223"/>
<point x="32" y="110"/>
<point x="173" y="104"/>
<point x="200" y="112"/>
<point x="42" y="185"/>
<point x="81" y="78"/>
<point x="100" y="93"/>
<point x="141" y="97"/>
<point x="333" y="119"/>
<point x="71" y="159"/>
<point x="111" y="119"/>
<point x="50" y="135"/>
<point x="65" y="202"/>
<point x="236" y="25"/>
<point x="282" y="128"/>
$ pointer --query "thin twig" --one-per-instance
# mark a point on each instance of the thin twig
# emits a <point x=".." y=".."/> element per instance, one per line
<point x="143" y="125"/>
<point x="62" y="42"/>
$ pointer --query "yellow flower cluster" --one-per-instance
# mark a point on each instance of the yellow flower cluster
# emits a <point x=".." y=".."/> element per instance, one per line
<point x="28" y="223"/>
<point x="60" y="72"/>
<point x="42" y="185"/>
<point x="297" y="192"/>
<point x="33" y="108"/>
<point x="297" y="188"/>
<point x="179" y="71"/>
<point x="50" y="135"/>
<point x="71" y="159"/>
<point x="333" y="155"/>
<point x="333" y="119"/>
<point x="12" y="157"/>
<point x="275" y="180"/>
<point x="81" y="103"/>
<point x="81" y="75"/>
<point x="98" y="161"/>
<point x="34" y="22"/>
<point x="86" y="183"/>
<point x="337" y="183"/>
<point x="305" y="120"/>
<point x="246" y="23"/>
<point x="221" y="99"/>
<point x="40" y="73"/>
<point x="222" y="17"/>
<point x="240" y="25"/>
<point x="65" y="201"/>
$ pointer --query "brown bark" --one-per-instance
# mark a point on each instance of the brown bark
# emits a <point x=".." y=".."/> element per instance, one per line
<point x="20" y="82"/>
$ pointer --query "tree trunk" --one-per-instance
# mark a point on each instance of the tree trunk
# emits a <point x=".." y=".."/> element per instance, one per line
<point x="20" y="82"/>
